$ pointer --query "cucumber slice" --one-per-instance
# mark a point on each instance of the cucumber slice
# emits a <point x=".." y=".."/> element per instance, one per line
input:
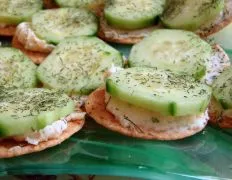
<point x="222" y="88"/>
<point x="56" y="24"/>
<point x="77" y="3"/>
<point x="160" y="91"/>
<point x="17" y="11"/>
<point x="25" y="110"/>
<point x="190" y="14"/>
<point x="78" y="65"/>
<point x="175" y="50"/>
<point x="132" y="14"/>
<point x="16" y="70"/>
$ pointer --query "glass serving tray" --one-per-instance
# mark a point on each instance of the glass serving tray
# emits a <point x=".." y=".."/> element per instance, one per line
<point x="96" y="150"/>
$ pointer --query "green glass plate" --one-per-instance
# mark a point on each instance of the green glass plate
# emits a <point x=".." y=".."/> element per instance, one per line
<point x="96" y="150"/>
<point x="229" y="52"/>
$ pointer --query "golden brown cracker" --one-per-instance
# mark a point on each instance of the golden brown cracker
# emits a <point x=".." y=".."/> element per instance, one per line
<point x="96" y="108"/>
<point x="36" y="57"/>
<point x="8" y="30"/>
<point x="11" y="148"/>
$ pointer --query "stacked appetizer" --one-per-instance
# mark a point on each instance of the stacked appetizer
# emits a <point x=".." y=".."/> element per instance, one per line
<point x="46" y="118"/>
<point x="163" y="95"/>
<point x="151" y="104"/>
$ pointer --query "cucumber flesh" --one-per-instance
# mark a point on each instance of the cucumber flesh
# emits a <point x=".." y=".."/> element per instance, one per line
<point x="16" y="70"/>
<point x="189" y="14"/>
<point x="132" y="14"/>
<point x="175" y="50"/>
<point x="160" y="91"/>
<point x="58" y="24"/>
<point x="78" y="65"/>
<point x="25" y="110"/>
<point x="17" y="11"/>
<point x="222" y="88"/>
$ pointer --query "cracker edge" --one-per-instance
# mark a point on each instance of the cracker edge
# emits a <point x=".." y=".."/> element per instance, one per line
<point x="7" y="31"/>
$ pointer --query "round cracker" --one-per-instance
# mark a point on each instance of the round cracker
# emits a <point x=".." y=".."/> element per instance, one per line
<point x="8" y="30"/>
<point x="10" y="148"/>
<point x="222" y="21"/>
<point x="96" y="108"/>
<point x="36" y="57"/>
<point x="50" y="4"/>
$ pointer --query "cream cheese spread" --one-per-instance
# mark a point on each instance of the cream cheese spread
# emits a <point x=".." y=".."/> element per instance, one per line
<point x="114" y="69"/>
<point x="130" y="115"/>
<point x="53" y="130"/>
<point x="218" y="62"/>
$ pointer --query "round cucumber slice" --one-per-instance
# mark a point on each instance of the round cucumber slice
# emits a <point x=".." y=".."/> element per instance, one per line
<point x="25" y="110"/>
<point x="56" y="24"/>
<point x="175" y="50"/>
<point x="16" y="70"/>
<point x="160" y="91"/>
<point x="189" y="14"/>
<point x="78" y="65"/>
<point x="17" y="11"/>
<point x="222" y="88"/>
<point x="77" y="3"/>
<point x="132" y="14"/>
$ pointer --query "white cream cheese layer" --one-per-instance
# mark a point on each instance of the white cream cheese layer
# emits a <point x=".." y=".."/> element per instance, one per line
<point x="53" y="130"/>
<point x="130" y="115"/>
<point x="30" y="41"/>
<point x="114" y="69"/>
<point x="218" y="62"/>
